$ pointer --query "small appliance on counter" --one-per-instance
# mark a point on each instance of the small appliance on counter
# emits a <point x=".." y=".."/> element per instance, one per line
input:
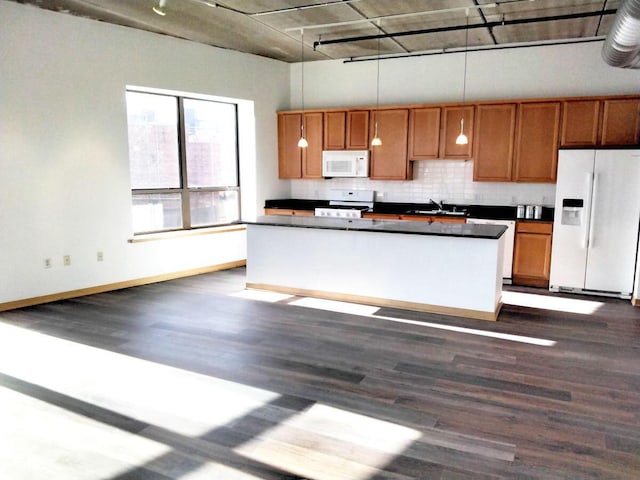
<point x="529" y="212"/>
<point x="347" y="203"/>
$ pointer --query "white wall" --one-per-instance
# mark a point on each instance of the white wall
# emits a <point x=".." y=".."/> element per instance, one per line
<point x="533" y="72"/>
<point x="64" y="157"/>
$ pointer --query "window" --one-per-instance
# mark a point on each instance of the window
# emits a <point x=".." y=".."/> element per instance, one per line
<point x="183" y="160"/>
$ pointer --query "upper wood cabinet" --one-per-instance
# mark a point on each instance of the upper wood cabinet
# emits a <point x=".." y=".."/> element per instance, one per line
<point x="293" y="161"/>
<point x="621" y="122"/>
<point x="580" y="123"/>
<point x="595" y="122"/>
<point x="357" y="130"/>
<point x="335" y="131"/>
<point x="536" y="157"/>
<point x="389" y="160"/>
<point x="494" y="133"/>
<point x="450" y="129"/>
<point x="424" y="133"/>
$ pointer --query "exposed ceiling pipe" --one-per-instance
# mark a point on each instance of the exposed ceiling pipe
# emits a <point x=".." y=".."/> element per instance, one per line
<point x="503" y="23"/>
<point x="622" y="46"/>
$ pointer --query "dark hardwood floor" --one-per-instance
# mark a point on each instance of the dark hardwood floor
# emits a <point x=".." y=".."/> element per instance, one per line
<point x="193" y="378"/>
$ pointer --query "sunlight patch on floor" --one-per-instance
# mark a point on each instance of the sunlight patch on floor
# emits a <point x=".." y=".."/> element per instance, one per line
<point x="327" y="443"/>
<point x="178" y="400"/>
<point x="335" y="306"/>
<point x="546" y="302"/>
<point x="262" y="295"/>
<point x="40" y="440"/>
<point x="472" y="331"/>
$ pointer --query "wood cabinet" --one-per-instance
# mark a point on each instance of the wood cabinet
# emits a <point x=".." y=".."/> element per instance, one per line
<point x="357" y="130"/>
<point x="580" y="123"/>
<point x="494" y="133"/>
<point x="450" y="129"/>
<point x="415" y="218"/>
<point x="435" y="219"/>
<point x="600" y="122"/>
<point x="512" y="140"/>
<point x="293" y="161"/>
<point x="389" y="160"/>
<point x="536" y="157"/>
<point x="289" y="211"/>
<point x="532" y="253"/>
<point x="335" y="130"/>
<point x="424" y="133"/>
<point x="621" y="122"/>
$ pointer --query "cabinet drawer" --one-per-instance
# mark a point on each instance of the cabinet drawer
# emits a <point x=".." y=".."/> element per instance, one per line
<point x="534" y="227"/>
<point x="381" y="216"/>
<point x="288" y="211"/>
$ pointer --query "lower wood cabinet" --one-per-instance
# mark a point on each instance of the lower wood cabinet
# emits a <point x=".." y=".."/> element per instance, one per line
<point x="532" y="253"/>
<point x="415" y="218"/>
<point x="289" y="211"/>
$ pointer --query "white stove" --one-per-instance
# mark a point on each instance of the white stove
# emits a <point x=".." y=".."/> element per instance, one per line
<point x="347" y="203"/>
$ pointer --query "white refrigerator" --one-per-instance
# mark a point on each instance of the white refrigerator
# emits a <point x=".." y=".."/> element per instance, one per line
<point x="596" y="219"/>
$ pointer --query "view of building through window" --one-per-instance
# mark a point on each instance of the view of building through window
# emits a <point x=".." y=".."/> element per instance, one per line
<point x="183" y="158"/>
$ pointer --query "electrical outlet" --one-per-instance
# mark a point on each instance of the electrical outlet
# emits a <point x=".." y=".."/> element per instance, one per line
<point x="47" y="263"/>
<point x="66" y="260"/>
<point x="100" y="256"/>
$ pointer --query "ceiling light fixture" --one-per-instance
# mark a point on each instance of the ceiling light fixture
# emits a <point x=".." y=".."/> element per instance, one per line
<point x="376" y="141"/>
<point x="160" y="8"/>
<point x="462" y="138"/>
<point x="302" y="143"/>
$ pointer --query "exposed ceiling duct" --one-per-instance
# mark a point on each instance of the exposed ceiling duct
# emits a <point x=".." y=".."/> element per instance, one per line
<point x="622" y="46"/>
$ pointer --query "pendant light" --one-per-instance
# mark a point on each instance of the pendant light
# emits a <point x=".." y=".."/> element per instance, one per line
<point x="376" y="141"/>
<point x="160" y="8"/>
<point x="462" y="138"/>
<point x="302" y="143"/>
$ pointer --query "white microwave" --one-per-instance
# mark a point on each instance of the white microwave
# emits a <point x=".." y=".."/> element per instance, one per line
<point x="345" y="163"/>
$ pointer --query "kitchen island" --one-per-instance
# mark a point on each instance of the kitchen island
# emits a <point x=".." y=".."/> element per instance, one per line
<point x="446" y="268"/>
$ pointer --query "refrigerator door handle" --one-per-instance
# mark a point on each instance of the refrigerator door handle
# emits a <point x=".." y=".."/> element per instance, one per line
<point x="592" y="235"/>
<point x="587" y="214"/>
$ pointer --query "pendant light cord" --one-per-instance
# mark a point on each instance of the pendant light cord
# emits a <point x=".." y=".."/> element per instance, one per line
<point x="302" y="65"/>
<point x="466" y="49"/>
<point x="378" y="74"/>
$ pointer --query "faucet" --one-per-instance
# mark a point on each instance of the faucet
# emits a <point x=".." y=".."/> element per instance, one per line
<point x="439" y="205"/>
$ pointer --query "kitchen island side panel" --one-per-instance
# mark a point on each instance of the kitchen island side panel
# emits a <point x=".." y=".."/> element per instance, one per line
<point x="452" y="272"/>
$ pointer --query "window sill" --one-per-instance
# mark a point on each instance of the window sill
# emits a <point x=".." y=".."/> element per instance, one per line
<point x="151" y="237"/>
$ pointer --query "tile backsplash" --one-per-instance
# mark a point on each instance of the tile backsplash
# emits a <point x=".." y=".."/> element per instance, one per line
<point x="450" y="181"/>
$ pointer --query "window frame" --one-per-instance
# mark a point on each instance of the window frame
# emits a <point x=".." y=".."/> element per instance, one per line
<point x="184" y="190"/>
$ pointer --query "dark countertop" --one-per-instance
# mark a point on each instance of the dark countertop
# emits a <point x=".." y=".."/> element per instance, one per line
<point x="491" y="212"/>
<point x="466" y="230"/>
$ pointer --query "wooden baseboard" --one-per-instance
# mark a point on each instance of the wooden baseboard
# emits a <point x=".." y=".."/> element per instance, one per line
<point x="635" y="302"/>
<point x="28" y="302"/>
<point x="382" y="302"/>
